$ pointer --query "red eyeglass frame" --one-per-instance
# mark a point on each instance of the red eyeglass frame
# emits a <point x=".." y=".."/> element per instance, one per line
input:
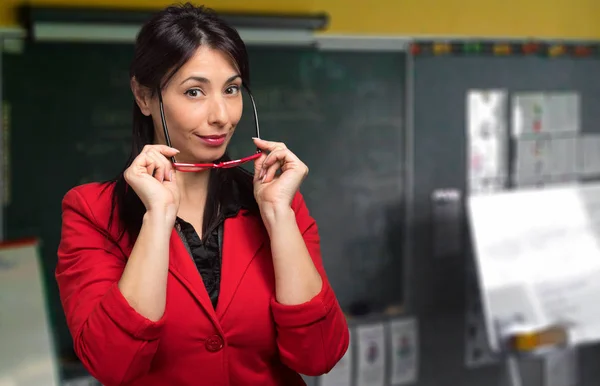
<point x="188" y="167"/>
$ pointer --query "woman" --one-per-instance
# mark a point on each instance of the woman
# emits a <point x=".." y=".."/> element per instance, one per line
<point x="196" y="278"/>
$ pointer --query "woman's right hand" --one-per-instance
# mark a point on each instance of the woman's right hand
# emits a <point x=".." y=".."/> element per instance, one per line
<point x="152" y="176"/>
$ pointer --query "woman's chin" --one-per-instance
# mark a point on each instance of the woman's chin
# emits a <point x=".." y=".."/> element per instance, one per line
<point x="210" y="156"/>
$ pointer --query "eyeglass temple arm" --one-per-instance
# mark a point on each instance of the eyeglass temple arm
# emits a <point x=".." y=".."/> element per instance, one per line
<point x="164" y="121"/>
<point x="254" y="112"/>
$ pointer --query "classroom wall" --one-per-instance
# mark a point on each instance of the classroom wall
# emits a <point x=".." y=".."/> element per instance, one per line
<point x="495" y="18"/>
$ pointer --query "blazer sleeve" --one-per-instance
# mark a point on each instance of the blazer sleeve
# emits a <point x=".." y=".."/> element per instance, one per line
<point x="115" y="343"/>
<point x="312" y="337"/>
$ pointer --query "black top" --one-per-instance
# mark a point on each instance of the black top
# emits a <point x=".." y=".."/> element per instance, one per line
<point x="207" y="252"/>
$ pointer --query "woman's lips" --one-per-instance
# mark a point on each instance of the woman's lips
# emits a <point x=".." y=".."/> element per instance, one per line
<point x="213" y="140"/>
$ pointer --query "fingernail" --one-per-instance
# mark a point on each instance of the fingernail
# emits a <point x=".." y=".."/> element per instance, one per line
<point x="171" y="175"/>
<point x="256" y="138"/>
<point x="263" y="178"/>
<point x="262" y="173"/>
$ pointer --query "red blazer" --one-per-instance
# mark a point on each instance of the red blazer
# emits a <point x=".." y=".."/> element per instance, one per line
<point x="249" y="339"/>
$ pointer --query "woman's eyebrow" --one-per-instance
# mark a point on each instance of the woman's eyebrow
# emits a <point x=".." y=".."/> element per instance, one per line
<point x="202" y="79"/>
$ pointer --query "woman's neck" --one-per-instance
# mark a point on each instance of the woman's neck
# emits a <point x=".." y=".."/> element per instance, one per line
<point x="193" y="188"/>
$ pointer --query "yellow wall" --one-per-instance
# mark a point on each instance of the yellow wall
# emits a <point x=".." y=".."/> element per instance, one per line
<point x="504" y="18"/>
<point x="520" y="18"/>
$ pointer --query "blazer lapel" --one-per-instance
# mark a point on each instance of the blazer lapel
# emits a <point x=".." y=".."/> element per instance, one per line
<point x="181" y="265"/>
<point x="243" y="236"/>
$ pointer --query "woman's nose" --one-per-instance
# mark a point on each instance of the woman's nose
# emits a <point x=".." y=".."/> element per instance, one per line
<point x="218" y="111"/>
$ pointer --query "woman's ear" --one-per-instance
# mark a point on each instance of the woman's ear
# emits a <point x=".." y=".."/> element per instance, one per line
<point x="142" y="96"/>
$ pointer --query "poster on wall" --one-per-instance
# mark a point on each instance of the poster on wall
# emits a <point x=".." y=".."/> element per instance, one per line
<point x="487" y="172"/>
<point x="532" y="161"/>
<point x="550" y="113"/>
<point x="589" y="155"/>
<point x="404" y="351"/>
<point x="562" y="160"/>
<point x="560" y="368"/>
<point x="487" y="135"/>
<point x="371" y="355"/>
<point x="546" y="128"/>
<point x="541" y="161"/>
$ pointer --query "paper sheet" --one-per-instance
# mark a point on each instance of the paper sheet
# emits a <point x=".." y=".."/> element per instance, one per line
<point x="538" y="258"/>
<point x="545" y="112"/>
<point x="560" y="368"/>
<point x="404" y="355"/>
<point x="589" y="154"/>
<point x="341" y="374"/>
<point x="487" y="140"/>
<point x="371" y="355"/>
<point x="544" y="160"/>
<point x="487" y="172"/>
<point x="562" y="160"/>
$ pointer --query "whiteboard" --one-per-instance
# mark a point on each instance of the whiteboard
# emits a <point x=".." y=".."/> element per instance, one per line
<point x="537" y="254"/>
<point x="27" y="354"/>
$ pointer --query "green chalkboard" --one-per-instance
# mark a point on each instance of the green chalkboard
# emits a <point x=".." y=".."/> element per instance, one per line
<point x="341" y="112"/>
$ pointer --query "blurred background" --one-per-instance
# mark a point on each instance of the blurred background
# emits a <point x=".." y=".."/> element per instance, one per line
<point x="401" y="109"/>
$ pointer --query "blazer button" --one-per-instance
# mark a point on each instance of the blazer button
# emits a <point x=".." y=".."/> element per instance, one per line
<point x="214" y="343"/>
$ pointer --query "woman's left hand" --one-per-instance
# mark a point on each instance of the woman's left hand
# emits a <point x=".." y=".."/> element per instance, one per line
<point x="272" y="191"/>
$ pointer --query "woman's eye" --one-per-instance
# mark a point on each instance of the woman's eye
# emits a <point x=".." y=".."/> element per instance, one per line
<point x="194" y="93"/>
<point x="232" y="90"/>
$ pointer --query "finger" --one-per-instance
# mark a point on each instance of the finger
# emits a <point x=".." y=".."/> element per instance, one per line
<point x="276" y="160"/>
<point x="162" y="149"/>
<point x="268" y="145"/>
<point x="258" y="167"/>
<point x="152" y="164"/>
<point x="268" y="161"/>
<point x="145" y="163"/>
<point x="271" y="171"/>
<point x="167" y="165"/>
<point x="159" y="166"/>
<point x="284" y="155"/>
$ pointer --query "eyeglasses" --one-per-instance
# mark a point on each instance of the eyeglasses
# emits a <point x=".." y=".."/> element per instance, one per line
<point x="186" y="167"/>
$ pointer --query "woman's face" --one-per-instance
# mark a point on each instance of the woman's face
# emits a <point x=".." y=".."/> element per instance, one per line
<point x="202" y="104"/>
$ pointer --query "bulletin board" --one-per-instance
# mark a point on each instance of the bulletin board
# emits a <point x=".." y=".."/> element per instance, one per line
<point x="442" y="76"/>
